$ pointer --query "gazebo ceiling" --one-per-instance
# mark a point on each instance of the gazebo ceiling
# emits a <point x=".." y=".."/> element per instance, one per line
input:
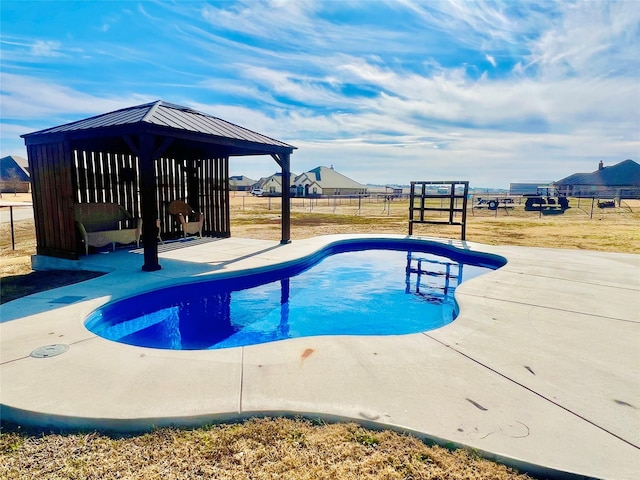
<point x="186" y="126"/>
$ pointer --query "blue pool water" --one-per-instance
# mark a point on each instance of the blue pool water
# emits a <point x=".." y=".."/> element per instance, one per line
<point x="351" y="288"/>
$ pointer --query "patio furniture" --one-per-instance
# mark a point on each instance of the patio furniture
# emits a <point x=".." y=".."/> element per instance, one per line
<point x="190" y="221"/>
<point x="101" y="224"/>
<point x="159" y="227"/>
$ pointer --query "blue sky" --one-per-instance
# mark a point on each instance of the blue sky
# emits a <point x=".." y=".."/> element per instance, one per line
<point x="386" y="91"/>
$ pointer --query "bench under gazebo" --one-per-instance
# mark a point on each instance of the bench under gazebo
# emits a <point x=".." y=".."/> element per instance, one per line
<point x="140" y="159"/>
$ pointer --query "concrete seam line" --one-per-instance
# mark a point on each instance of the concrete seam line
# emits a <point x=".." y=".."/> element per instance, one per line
<point x="461" y="294"/>
<point x="554" y="277"/>
<point x="532" y="391"/>
<point x="29" y="356"/>
<point x="241" y="380"/>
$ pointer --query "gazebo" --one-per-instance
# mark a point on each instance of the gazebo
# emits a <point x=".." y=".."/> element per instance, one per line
<point x="142" y="158"/>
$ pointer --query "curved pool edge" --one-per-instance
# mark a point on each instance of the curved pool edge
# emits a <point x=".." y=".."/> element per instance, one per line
<point x="98" y="321"/>
<point x="477" y="362"/>
<point x="308" y="250"/>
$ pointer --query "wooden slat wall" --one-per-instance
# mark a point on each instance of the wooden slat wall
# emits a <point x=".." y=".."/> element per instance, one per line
<point x="64" y="176"/>
<point x="53" y="199"/>
<point x="226" y="209"/>
<point x="213" y="178"/>
<point x="167" y="184"/>
<point x="163" y="174"/>
<point x="37" y="193"/>
<point x="66" y="169"/>
<point x="107" y="177"/>
<point x="212" y="193"/>
<point x="113" y="174"/>
<point x="219" y="217"/>
<point x="205" y="177"/>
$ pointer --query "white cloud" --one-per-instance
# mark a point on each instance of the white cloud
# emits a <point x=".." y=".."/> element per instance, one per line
<point x="372" y="98"/>
<point x="53" y="101"/>
<point x="260" y="18"/>
<point x="590" y="40"/>
<point x="10" y="141"/>
<point x="48" y="48"/>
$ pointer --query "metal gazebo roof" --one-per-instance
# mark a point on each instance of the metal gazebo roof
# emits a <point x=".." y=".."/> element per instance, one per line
<point x="158" y="117"/>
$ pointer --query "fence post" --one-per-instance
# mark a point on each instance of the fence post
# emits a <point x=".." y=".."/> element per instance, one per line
<point x="13" y="238"/>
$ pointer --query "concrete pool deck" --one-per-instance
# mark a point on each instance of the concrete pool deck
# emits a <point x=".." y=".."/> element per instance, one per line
<point x="540" y="370"/>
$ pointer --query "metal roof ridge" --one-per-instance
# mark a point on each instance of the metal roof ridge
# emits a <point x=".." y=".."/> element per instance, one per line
<point x="190" y="110"/>
<point x="151" y="112"/>
<point x="245" y="129"/>
<point x="93" y="117"/>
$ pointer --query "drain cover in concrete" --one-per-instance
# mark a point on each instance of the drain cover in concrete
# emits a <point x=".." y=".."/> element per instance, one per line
<point x="49" y="351"/>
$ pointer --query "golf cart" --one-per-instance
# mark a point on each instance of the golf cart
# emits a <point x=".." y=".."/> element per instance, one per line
<point x="546" y="198"/>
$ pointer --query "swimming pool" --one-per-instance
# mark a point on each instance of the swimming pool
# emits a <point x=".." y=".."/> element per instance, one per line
<point x="381" y="287"/>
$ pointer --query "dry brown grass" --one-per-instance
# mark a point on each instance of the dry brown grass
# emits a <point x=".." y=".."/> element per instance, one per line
<point x="297" y="449"/>
<point x="610" y="230"/>
<point x="256" y="449"/>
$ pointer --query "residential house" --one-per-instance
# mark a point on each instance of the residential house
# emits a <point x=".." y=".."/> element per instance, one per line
<point x="240" y="183"/>
<point x="272" y="185"/>
<point x="620" y="181"/>
<point x="14" y="175"/>
<point x="325" y="181"/>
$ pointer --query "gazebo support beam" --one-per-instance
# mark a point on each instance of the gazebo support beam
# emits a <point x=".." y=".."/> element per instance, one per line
<point x="149" y="203"/>
<point x="147" y="153"/>
<point x="284" y="160"/>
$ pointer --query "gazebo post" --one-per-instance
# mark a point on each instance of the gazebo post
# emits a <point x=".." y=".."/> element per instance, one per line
<point x="285" y="163"/>
<point x="148" y="201"/>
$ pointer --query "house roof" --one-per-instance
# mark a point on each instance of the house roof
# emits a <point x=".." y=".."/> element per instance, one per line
<point x="329" y="178"/>
<point x="277" y="177"/>
<point x="164" y="116"/>
<point x="13" y="167"/>
<point x="625" y="173"/>
<point x="241" y="181"/>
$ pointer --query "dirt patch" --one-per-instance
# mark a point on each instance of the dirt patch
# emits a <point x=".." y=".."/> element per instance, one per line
<point x="17" y="278"/>
<point x="610" y="230"/>
<point x="16" y="286"/>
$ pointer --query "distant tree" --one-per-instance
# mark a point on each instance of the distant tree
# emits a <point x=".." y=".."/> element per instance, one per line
<point x="13" y="180"/>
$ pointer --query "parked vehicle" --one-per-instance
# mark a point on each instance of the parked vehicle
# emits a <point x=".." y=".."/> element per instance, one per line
<point x="258" y="192"/>
<point x="606" y="203"/>
<point x="494" y="203"/>
<point x="547" y="198"/>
